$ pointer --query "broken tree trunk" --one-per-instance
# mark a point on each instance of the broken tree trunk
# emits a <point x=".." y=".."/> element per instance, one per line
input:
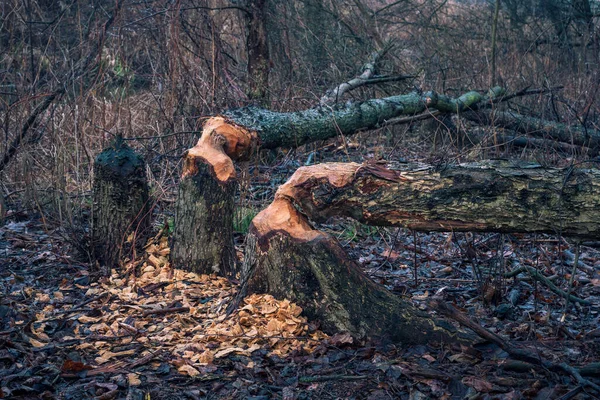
<point x="120" y="202"/>
<point x="494" y="195"/>
<point x="203" y="237"/>
<point x="288" y="258"/>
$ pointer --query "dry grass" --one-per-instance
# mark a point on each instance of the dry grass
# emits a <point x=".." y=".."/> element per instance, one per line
<point x="163" y="70"/>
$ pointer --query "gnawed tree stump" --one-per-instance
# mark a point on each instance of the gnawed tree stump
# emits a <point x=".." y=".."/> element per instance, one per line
<point x="203" y="237"/>
<point x="288" y="258"/>
<point x="120" y="202"/>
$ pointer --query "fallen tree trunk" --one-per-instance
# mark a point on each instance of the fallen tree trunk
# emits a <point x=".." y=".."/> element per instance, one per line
<point x="274" y="129"/>
<point x="488" y="196"/>
<point x="536" y="127"/>
<point x="288" y="258"/>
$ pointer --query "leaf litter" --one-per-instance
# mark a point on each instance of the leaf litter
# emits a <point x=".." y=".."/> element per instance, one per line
<point x="153" y="331"/>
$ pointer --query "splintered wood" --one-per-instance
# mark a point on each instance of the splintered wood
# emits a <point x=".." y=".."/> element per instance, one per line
<point x="194" y="328"/>
<point x="220" y="143"/>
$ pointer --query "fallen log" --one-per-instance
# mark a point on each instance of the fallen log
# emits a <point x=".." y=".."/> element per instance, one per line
<point x="288" y="258"/>
<point x="574" y="135"/>
<point x="493" y="195"/>
<point x="275" y="129"/>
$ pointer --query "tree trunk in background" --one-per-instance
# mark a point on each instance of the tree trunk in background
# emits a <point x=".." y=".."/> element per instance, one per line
<point x="258" y="52"/>
<point x="288" y="258"/>
<point x="203" y="237"/>
<point x="120" y="202"/>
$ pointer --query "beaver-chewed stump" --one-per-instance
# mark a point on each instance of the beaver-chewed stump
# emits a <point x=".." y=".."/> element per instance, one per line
<point x="203" y="237"/>
<point x="287" y="257"/>
<point x="120" y="203"/>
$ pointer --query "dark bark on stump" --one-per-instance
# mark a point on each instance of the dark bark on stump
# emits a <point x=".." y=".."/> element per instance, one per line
<point x="203" y="236"/>
<point x="288" y="259"/>
<point x="120" y="202"/>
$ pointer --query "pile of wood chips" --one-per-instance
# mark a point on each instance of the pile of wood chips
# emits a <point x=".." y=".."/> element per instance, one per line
<point x="169" y="311"/>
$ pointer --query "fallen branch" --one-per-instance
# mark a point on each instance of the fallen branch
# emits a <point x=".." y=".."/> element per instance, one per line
<point x="326" y="378"/>
<point x="162" y="311"/>
<point x="574" y="135"/>
<point x="514" y="351"/>
<point x="535" y="274"/>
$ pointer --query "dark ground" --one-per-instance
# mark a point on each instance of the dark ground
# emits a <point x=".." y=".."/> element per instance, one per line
<point x="59" y="317"/>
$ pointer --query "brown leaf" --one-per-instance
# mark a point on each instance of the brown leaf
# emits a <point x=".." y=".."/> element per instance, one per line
<point x="70" y="366"/>
<point x="188" y="370"/>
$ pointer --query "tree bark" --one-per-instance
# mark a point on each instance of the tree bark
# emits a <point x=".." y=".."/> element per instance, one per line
<point x="120" y="202"/>
<point x="286" y="257"/>
<point x="258" y="51"/>
<point x="275" y="129"/>
<point x="489" y="196"/>
<point x="203" y="237"/>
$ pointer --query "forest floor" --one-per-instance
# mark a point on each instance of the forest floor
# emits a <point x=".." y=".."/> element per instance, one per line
<point x="149" y="331"/>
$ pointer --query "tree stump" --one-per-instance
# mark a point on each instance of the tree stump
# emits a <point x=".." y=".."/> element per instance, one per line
<point x="203" y="237"/>
<point x="289" y="259"/>
<point x="120" y="202"/>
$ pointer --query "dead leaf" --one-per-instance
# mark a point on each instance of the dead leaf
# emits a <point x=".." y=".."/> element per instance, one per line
<point x="188" y="370"/>
<point x="481" y="385"/>
<point x="70" y="366"/>
<point x="133" y="379"/>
